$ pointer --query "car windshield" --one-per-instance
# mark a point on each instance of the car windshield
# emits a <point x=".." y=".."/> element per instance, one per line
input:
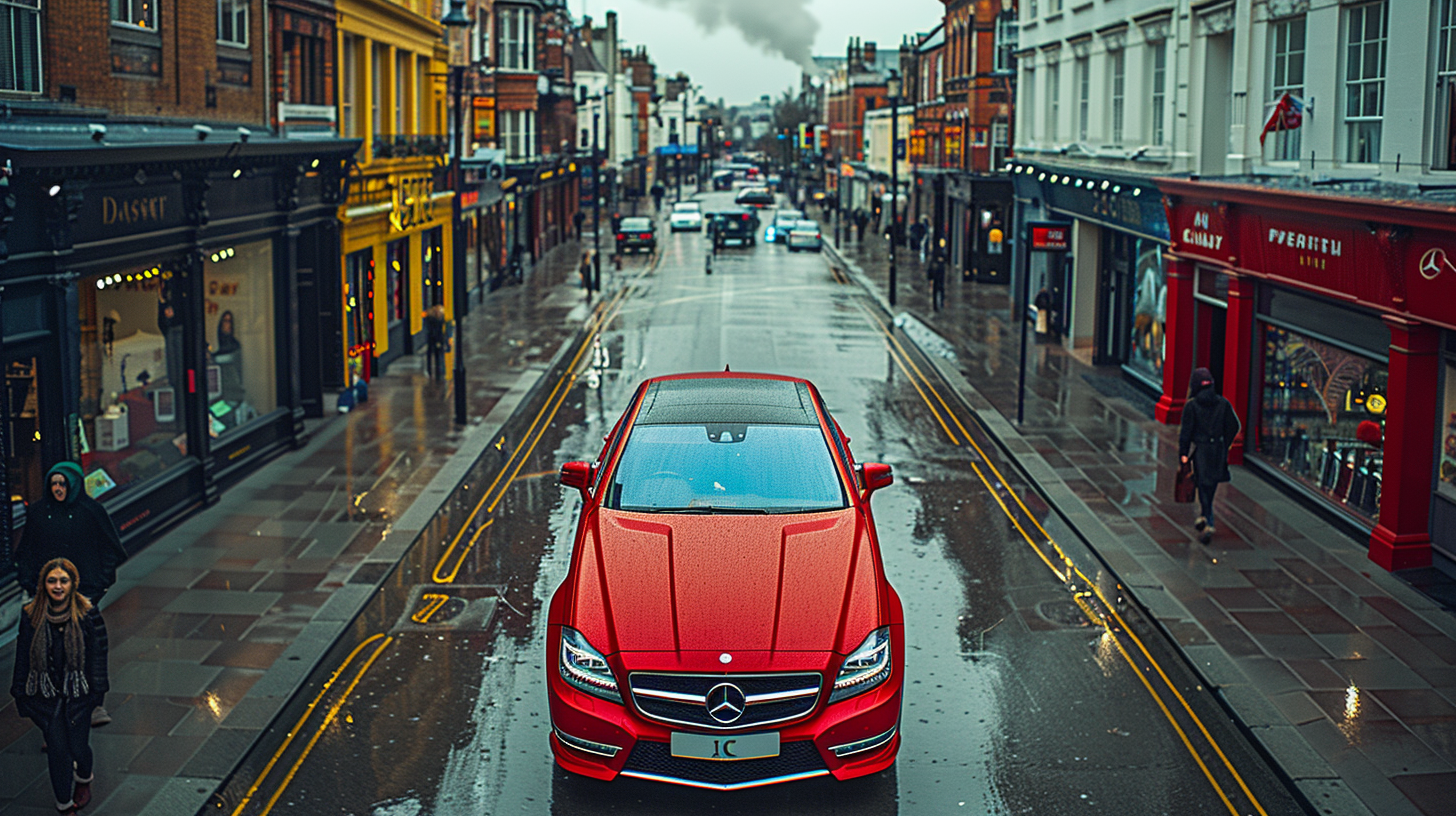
<point x="789" y="217"/>
<point x="726" y="468"/>
<point x="806" y="226"/>
<point x="636" y="224"/>
<point x="686" y="207"/>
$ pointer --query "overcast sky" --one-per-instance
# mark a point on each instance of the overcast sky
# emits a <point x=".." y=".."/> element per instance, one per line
<point x="724" y="60"/>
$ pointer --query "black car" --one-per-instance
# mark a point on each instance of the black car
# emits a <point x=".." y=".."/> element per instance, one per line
<point x="754" y="197"/>
<point x="734" y="227"/>
<point x="723" y="180"/>
<point x="636" y="234"/>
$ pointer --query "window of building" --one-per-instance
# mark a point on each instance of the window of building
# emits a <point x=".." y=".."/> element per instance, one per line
<point x="1316" y="398"/>
<point x="139" y="13"/>
<point x="133" y="379"/>
<point x="1031" y="11"/>
<point x="1054" y="98"/>
<point x="350" y="74"/>
<point x="939" y="73"/>
<point x="376" y="87"/>
<point x="1158" y="89"/>
<point x="1084" y="84"/>
<point x="1000" y="142"/>
<point x="1027" y="104"/>
<point x="396" y="280"/>
<point x="1287" y="73"/>
<point x="1117" y="91"/>
<point x="20" y="46"/>
<point x="242" y="377"/>
<point x="302" y="67"/>
<point x="232" y="22"/>
<point x="1445" y="114"/>
<point x="516" y="43"/>
<point x="1007" y="33"/>
<point x="422" y="74"/>
<point x="1365" y="33"/>
<point x="1054" y="6"/>
<point x="517" y="133"/>
<point x="401" y="90"/>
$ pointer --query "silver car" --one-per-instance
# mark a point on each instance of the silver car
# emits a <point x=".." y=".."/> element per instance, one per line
<point x="805" y="235"/>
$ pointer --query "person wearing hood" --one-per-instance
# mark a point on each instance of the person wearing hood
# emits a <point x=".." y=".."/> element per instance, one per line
<point x="67" y="523"/>
<point x="1209" y="427"/>
<point x="60" y="677"/>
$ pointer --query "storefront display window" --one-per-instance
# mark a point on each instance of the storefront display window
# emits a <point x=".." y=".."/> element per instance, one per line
<point x="398" y="279"/>
<point x="132" y="378"/>
<point x="1447" y="470"/>
<point x="1323" y="417"/>
<point x="238" y="322"/>
<point x="1149" y="310"/>
<point x="434" y="269"/>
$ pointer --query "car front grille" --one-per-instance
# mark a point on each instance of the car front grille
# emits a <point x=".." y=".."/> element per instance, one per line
<point x="654" y="760"/>
<point x="682" y="698"/>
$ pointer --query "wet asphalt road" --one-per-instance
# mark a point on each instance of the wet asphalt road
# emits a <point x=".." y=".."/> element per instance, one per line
<point x="1017" y="700"/>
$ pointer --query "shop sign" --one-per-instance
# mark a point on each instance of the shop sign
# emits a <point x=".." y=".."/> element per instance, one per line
<point x="1047" y="236"/>
<point x="1305" y="250"/>
<point x="121" y="212"/>
<point x="413" y="198"/>
<point x="1204" y="232"/>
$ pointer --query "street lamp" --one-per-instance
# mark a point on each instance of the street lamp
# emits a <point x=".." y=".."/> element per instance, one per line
<point x="595" y="284"/>
<point x="457" y="33"/>
<point x="892" y="90"/>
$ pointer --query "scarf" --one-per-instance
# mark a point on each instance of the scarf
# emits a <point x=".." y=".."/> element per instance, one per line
<point x="73" y="679"/>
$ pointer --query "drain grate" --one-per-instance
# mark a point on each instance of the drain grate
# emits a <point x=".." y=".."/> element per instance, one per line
<point x="448" y="608"/>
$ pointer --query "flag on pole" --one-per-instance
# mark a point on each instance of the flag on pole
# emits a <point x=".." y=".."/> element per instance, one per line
<point x="1288" y="114"/>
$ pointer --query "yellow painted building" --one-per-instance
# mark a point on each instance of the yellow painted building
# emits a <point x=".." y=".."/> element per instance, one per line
<point x="395" y="226"/>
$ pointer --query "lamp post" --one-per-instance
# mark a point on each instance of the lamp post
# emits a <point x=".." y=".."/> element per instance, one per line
<point x="595" y="284"/>
<point x="457" y="32"/>
<point x="892" y="90"/>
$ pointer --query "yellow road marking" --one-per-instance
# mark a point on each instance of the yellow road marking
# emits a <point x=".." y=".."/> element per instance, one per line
<point x="293" y="732"/>
<point x="1094" y="617"/>
<point x="433" y="602"/>
<point x="333" y="712"/>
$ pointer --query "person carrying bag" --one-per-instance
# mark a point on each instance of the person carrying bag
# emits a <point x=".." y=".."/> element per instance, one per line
<point x="1209" y="427"/>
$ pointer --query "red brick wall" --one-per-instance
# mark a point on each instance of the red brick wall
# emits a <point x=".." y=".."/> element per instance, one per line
<point x="78" y="53"/>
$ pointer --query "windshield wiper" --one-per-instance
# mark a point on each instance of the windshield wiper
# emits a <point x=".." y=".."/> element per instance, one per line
<point x="713" y="511"/>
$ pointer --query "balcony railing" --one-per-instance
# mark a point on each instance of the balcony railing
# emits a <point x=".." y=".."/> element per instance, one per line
<point x="403" y="147"/>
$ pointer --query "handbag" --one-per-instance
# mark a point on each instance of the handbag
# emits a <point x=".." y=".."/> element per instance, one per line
<point x="1184" y="486"/>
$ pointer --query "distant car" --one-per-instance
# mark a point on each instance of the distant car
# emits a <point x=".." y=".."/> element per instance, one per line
<point x="783" y="221"/>
<point x="723" y="180"/>
<point x="734" y="227"/>
<point x="805" y="235"/>
<point x="775" y="181"/>
<point x="686" y="215"/>
<point x="754" y="197"/>
<point x="636" y="234"/>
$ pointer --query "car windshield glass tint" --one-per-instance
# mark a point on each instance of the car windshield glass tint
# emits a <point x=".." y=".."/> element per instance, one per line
<point x="636" y="224"/>
<point x="685" y="207"/>
<point x="730" y="468"/>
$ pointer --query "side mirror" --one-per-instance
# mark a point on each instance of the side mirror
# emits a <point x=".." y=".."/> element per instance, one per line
<point x="874" y="476"/>
<point x="577" y="474"/>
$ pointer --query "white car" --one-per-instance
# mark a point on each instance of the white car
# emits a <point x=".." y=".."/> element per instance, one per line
<point x="805" y="235"/>
<point x="686" y="215"/>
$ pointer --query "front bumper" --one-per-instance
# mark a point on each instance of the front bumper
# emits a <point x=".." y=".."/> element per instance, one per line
<point x="603" y="740"/>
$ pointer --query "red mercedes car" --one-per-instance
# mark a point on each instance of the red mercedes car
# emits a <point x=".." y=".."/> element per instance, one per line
<point x="726" y="622"/>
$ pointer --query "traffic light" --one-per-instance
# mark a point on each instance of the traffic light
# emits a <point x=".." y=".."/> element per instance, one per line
<point x="806" y="140"/>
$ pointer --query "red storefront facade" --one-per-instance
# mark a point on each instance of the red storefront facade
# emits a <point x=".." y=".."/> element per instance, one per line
<point x="1330" y="323"/>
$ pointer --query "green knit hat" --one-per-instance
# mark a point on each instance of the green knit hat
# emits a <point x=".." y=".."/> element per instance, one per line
<point x="75" y="480"/>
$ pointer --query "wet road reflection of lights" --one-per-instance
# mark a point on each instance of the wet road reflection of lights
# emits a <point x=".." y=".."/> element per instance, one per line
<point x="1350" y="725"/>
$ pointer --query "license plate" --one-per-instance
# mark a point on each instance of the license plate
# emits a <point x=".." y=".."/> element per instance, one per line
<point x="724" y="747"/>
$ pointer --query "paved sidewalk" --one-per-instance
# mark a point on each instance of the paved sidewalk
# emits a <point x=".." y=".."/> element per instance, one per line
<point x="216" y="623"/>
<point x="1343" y="673"/>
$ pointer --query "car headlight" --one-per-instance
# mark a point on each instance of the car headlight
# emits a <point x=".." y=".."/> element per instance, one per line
<point x="865" y="668"/>
<point x="585" y="668"/>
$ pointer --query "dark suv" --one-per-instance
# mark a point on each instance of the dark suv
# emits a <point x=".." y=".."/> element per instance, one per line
<point x="636" y="234"/>
<point x="734" y="226"/>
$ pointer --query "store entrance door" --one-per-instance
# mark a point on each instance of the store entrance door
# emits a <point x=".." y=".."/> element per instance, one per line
<point x="359" y="314"/>
<point x="1114" y="299"/>
<point x="1212" y="331"/>
<point x="31" y="396"/>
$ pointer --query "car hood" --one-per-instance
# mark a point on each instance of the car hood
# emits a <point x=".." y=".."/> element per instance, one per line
<point x="680" y="583"/>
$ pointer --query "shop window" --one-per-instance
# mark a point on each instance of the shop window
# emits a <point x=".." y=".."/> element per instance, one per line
<point x="1323" y="417"/>
<point x="1149" y="311"/>
<point x="238" y="321"/>
<point x="434" y="267"/>
<point x="1447" y="471"/>
<point x="359" y="314"/>
<point x="24" y="455"/>
<point x="133" y="379"/>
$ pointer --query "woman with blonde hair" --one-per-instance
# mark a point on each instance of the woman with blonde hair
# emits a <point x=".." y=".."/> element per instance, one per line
<point x="60" y="675"/>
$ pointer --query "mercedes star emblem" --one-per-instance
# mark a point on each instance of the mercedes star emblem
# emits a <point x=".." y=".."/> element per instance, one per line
<point x="725" y="703"/>
<point x="1433" y="262"/>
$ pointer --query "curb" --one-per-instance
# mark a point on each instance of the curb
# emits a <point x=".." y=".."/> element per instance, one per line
<point x="1307" y="774"/>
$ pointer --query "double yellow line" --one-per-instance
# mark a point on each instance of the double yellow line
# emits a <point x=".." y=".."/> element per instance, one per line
<point x="1067" y="572"/>
<point x="446" y="569"/>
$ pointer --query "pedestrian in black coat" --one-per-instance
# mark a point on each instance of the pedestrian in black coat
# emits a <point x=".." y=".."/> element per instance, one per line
<point x="935" y="270"/>
<point x="577" y="218"/>
<point x="60" y="677"/>
<point x="435" y="342"/>
<point x="67" y="523"/>
<point x="1209" y="427"/>
<point x="861" y="220"/>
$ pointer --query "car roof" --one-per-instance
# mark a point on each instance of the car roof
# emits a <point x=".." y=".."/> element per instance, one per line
<point x="636" y="219"/>
<point x="727" y="398"/>
<point x="692" y="204"/>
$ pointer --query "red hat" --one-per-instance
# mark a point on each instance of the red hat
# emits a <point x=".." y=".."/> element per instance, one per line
<point x="1369" y="432"/>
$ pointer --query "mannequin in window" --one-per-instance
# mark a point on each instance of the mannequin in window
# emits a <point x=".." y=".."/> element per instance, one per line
<point x="228" y="355"/>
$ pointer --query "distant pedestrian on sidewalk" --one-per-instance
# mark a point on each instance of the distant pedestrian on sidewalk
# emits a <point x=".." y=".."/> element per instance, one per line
<point x="935" y="271"/>
<point x="67" y="523"/>
<point x="577" y="219"/>
<point x="1209" y="427"/>
<point x="917" y="238"/>
<point x="60" y="678"/>
<point x="861" y="220"/>
<point x="585" y="270"/>
<point x="435" y="342"/>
